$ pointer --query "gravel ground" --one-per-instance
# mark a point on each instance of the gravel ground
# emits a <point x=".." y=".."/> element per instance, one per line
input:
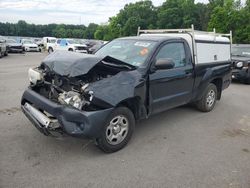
<point x="178" y="148"/>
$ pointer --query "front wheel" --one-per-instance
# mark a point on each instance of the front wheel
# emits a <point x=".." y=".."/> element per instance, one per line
<point x="208" y="100"/>
<point x="117" y="131"/>
<point x="247" y="80"/>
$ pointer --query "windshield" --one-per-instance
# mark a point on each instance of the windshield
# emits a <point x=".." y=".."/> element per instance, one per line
<point x="51" y="40"/>
<point x="79" y="41"/>
<point x="11" y="41"/>
<point x="27" y="42"/>
<point x="133" y="52"/>
<point x="241" y="51"/>
<point x="71" y="41"/>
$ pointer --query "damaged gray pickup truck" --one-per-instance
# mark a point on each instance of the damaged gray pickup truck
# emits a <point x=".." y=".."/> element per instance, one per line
<point x="101" y="96"/>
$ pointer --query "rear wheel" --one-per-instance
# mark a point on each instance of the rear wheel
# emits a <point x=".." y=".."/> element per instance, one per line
<point x="50" y="50"/>
<point x="71" y="50"/>
<point x="208" y="100"/>
<point x="117" y="131"/>
<point x="6" y="53"/>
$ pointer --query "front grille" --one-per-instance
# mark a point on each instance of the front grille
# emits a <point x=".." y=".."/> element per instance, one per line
<point x="81" y="48"/>
<point x="16" y="47"/>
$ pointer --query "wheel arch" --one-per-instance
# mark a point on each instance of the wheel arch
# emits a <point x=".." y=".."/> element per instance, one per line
<point x="136" y="106"/>
<point x="218" y="83"/>
<point x="50" y="47"/>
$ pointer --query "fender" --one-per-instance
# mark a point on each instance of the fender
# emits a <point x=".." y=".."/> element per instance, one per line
<point x="206" y="73"/>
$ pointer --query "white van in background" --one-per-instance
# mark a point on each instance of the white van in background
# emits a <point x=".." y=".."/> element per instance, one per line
<point x="49" y="43"/>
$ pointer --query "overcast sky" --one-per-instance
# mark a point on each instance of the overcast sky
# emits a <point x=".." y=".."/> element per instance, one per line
<point x="63" y="11"/>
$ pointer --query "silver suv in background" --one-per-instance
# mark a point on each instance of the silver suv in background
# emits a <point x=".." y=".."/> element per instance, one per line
<point x="3" y="47"/>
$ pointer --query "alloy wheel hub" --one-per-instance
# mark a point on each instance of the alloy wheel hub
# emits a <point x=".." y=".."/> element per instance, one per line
<point x="117" y="130"/>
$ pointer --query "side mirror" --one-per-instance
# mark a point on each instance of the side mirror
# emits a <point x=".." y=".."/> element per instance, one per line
<point x="67" y="44"/>
<point x="166" y="63"/>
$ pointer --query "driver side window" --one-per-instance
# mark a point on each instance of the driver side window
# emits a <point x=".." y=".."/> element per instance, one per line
<point x="174" y="51"/>
<point x="63" y="42"/>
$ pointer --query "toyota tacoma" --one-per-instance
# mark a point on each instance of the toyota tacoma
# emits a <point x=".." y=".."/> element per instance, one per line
<point x="101" y="96"/>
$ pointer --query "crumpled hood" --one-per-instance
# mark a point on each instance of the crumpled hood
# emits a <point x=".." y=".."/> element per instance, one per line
<point x="73" y="64"/>
<point x="70" y="64"/>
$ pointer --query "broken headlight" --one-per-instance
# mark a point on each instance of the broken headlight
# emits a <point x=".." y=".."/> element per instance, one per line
<point x="71" y="98"/>
<point x="34" y="76"/>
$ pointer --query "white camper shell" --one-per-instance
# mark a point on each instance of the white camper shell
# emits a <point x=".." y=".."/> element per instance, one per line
<point x="206" y="47"/>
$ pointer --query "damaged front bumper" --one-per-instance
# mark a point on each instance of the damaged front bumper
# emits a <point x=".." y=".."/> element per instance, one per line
<point x="64" y="119"/>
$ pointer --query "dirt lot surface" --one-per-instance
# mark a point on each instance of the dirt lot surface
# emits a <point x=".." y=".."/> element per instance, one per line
<point x="178" y="148"/>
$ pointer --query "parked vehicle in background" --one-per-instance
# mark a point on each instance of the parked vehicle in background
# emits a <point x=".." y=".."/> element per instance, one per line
<point x="241" y="62"/>
<point x="3" y="47"/>
<point x="68" y="45"/>
<point x="49" y="43"/>
<point x="92" y="43"/>
<point x="14" y="46"/>
<point x="101" y="96"/>
<point x="95" y="47"/>
<point x="39" y="42"/>
<point x="30" y="46"/>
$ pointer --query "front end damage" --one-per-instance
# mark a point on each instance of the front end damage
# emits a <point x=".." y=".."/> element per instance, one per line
<point x="74" y="94"/>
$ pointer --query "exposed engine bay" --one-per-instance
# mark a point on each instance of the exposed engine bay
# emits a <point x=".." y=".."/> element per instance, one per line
<point x="61" y="87"/>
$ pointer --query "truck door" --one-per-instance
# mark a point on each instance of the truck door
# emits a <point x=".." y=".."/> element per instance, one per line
<point x="169" y="88"/>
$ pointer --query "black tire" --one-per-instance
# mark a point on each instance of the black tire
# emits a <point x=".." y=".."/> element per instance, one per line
<point x="203" y="104"/>
<point x="247" y="81"/>
<point x="6" y="53"/>
<point x="50" y="50"/>
<point x="71" y="50"/>
<point x="103" y="143"/>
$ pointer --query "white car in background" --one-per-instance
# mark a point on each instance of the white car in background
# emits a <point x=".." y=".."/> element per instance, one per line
<point x="30" y="46"/>
<point x="68" y="45"/>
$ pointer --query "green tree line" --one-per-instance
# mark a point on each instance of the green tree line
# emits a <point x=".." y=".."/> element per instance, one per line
<point x="224" y="15"/>
<point x="21" y="28"/>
